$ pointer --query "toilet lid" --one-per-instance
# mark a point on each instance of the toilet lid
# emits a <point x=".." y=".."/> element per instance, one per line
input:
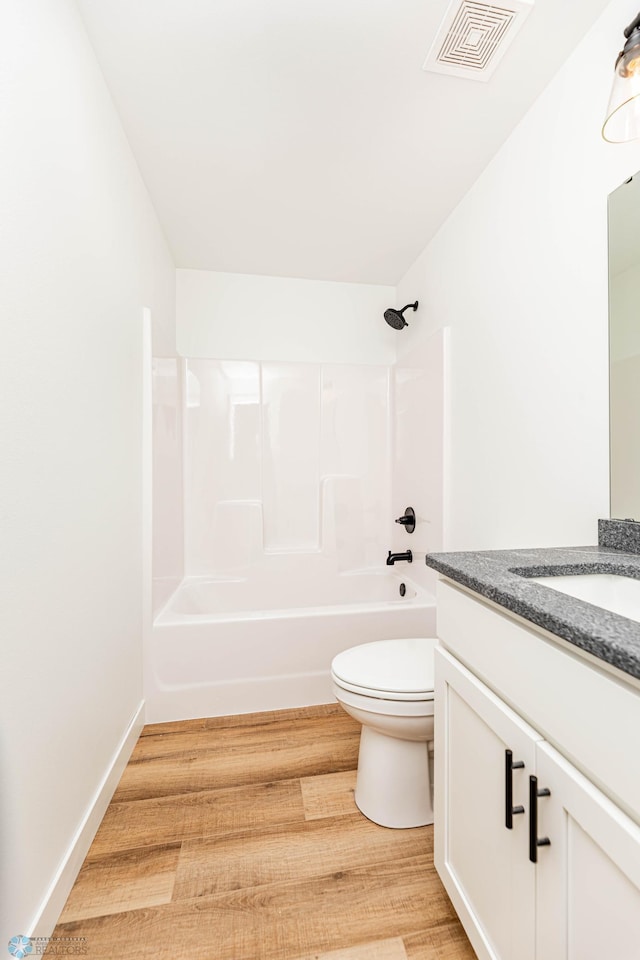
<point x="403" y="667"/>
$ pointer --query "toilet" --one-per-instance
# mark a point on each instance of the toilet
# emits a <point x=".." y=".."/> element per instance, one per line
<point x="387" y="686"/>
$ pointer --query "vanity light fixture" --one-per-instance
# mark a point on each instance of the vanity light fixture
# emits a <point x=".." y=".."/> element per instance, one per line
<point x="622" y="122"/>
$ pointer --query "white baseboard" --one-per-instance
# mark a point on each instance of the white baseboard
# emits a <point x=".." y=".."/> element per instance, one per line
<point x="51" y="907"/>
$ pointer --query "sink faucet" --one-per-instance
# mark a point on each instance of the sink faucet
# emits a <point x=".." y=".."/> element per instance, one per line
<point x="393" y="557"/>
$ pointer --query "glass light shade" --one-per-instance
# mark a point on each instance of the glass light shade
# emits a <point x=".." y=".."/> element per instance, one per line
<point x="623" y="113"/>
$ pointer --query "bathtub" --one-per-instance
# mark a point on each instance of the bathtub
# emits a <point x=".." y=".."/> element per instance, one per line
<point x="265" y="642"/>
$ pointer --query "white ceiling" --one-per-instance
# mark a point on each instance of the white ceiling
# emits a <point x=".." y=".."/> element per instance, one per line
<point x="301" y="137"/>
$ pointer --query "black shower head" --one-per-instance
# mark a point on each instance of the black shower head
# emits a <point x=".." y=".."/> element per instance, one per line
<point x="395" y="318"/>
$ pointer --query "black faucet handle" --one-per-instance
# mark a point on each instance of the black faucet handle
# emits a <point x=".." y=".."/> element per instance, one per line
<point x="408" y="520"/>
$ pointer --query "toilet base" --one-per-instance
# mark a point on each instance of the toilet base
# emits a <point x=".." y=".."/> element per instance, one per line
<point x="393" y="787"/>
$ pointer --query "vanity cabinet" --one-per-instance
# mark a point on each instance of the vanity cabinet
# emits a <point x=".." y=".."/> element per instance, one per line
<point x="539" y="863"/>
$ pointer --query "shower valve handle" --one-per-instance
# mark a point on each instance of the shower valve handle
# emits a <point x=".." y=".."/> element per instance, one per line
<point x="408" y="521"/>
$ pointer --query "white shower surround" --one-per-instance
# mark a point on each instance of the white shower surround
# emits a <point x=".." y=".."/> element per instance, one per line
<point x="276" y="485"/>
<point x="272" y="646"/>
<point x="285" y="458"/>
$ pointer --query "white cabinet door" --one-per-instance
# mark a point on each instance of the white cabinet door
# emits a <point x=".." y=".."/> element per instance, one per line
<point x="483" y="864"/>
<point x="588" y="878"/>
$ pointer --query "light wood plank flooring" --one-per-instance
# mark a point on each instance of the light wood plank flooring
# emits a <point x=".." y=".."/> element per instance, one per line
<point x="237" y="838"/>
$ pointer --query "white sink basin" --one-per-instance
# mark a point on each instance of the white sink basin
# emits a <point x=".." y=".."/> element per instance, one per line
<point x="608" y="590"/>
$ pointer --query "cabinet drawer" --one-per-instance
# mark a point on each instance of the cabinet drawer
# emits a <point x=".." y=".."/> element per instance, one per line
<point x="591" y="716"/>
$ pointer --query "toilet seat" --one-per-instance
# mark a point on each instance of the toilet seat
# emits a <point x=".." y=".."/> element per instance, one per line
<point x="387" y="669"/>
<point x="373" y="704"/>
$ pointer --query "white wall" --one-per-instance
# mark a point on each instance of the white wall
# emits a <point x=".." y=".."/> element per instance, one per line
<point x="519" y="273"/>
<point x="232" y="316"/>
<point x="80" y="254"/>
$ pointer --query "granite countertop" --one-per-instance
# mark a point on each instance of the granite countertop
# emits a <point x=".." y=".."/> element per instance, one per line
<point x="499" y="575"/>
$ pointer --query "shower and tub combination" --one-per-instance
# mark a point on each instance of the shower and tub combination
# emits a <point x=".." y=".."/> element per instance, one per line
<point x="273" y="488"/>
<point x="266" y="640"/>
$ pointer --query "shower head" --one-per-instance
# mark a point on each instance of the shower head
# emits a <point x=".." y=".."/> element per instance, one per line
<point x="395" y="318"/>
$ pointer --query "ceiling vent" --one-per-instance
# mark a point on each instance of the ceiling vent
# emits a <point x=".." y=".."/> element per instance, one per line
<point x="474" y="37"/>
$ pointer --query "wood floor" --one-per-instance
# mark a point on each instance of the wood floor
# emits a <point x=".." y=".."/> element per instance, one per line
<point x="238" y="838"/>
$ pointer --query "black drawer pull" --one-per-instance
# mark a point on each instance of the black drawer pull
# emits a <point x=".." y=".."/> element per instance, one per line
<point x="534" y="840"/>
<point x="509" y="809"/>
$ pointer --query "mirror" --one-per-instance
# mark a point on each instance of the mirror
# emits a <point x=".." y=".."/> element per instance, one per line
<point x="624" y="349"/>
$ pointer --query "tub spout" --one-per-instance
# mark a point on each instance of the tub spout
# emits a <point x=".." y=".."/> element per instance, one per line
<point x="394" y="557"/>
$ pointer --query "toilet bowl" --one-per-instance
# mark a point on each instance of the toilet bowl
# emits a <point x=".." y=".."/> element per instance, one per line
<point x="387" y="686"/>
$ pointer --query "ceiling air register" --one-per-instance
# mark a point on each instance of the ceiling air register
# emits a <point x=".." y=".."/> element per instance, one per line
<point x="474" y="37"/>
